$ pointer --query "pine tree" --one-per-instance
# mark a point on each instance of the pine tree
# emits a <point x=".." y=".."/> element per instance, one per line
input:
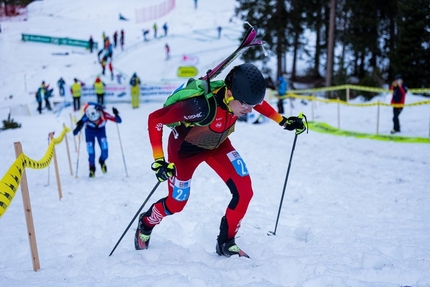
<point x="412" y="53"/>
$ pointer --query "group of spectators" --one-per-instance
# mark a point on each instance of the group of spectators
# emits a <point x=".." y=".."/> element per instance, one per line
<point x="44" y="92"/>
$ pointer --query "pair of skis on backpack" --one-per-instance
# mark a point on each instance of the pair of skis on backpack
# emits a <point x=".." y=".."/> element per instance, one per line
<point x="249" y="40"/>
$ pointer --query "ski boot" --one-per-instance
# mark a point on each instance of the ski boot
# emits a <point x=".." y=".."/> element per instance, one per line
<point x="142" y="236"/>
<point x="103" y="165"/>
<point x="92" y="171"/>
<point x="225" y="246"/>
<point x="229" y="248"/>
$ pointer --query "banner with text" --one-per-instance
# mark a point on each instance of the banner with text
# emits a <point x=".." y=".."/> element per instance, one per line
<point x="122" y="93"/>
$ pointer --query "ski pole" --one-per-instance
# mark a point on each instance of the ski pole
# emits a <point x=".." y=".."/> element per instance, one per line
<point x="285" y="186"/>
<point x="137" y="213"/>
<point x="77" y="162"/>
<point x="301" y="116"/>
<point x="122" y="151"/>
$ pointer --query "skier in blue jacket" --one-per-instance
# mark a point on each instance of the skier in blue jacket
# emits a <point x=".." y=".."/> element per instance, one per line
<point x="95" y="119"/>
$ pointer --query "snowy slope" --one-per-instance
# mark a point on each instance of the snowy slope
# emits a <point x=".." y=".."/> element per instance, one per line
<point x="355" y="211"/>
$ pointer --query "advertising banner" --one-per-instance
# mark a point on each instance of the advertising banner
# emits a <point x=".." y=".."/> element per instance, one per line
<point x="56" y="40"/>
<point x="122" y="93"/>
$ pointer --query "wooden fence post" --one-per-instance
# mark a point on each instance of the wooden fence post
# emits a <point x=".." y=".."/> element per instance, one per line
<point x="57" y="174"/>
<point x="28" y="214"/>
<point x="71" y="127"/>
<point x="68" y="151"/>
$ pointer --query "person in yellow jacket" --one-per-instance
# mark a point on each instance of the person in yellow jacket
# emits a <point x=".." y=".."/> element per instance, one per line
<point x="99" y="87"/>
<point x="76" y="90"/>
<point x="135" y="91"/>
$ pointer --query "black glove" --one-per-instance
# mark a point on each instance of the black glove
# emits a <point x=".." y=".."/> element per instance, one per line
<point x="163" y="170"/>
<point x="79" y="125"/>
<point x="115" y="111"/>
<point x="293" y="123"/>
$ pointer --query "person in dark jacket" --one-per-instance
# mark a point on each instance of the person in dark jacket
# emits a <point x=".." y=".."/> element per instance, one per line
<point x="115" y="39"/>
<point x="122" y="39"/>
<point x="43" y="93"/>
<point x="61" y="83"/>
<point x="399" y="94"/>
<point x="282" y="90"/>
<point x="165" y="28"/>
<point x="39" y="99"/>
<point x="91" y="44"/>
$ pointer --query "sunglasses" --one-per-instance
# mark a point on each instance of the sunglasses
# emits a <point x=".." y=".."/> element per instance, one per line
<point x="246" y="105"/>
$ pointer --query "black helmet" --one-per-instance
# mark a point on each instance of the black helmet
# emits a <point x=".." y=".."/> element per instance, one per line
<point x="246" y="83"/>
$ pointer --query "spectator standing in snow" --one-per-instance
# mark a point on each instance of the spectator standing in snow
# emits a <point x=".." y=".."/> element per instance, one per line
<point x="99" y="87"/>
<point x="95" y="119"/>
<point x="269" y="83"/>
<point x="155" y="27"/>
<point x="202" y="136"/>
<point x="165" y="28"/>
<point x="102" y="55"/>
<point x="39" y="97"/>
<point x="282" y="90"/>
<point x="45" y="92"/>
<point x="399" y="94"/>
<point x="121" y="40"/>
<point x="118" y="78"/>
<point x="135" y="91"/>
<point x="167" y="48"/>
<point x="61" y="83"/>
<point x="219" y="31"/>
<point x="91" y="44"/>
<point x="76" y="90"/>
<point x="115" y="39"/>
<point x="145" y="34"/>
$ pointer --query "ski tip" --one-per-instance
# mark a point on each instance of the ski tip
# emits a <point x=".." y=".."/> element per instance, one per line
<point x="243" y="254"/>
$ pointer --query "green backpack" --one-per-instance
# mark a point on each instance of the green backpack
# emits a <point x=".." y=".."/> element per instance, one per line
<point x="195" y="88"/>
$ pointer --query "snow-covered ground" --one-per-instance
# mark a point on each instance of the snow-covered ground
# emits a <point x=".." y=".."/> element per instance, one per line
<point x="355" y="211"/>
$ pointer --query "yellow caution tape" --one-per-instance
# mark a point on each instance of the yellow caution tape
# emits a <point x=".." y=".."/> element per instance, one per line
<point x="317" y="99"/>
<point x="355" y="87"/>
<point x="325" y="128"/>
<point x="10" y="181"/>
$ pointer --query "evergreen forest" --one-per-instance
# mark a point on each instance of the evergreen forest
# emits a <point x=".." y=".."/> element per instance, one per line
<point x="362" y="42"/>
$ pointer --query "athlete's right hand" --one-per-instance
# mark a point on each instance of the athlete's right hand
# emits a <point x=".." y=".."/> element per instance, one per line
<point x="79" y="125"/>
<point x="163" y="170"/>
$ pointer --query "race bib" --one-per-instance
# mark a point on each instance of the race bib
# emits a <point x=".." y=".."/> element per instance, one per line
<point x="181" y="190"/>
<point x="238" y="163"/>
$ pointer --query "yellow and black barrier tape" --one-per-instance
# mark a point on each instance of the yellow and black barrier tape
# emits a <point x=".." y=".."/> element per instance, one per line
<point x="355" y="87"/>
<point x="325" y="128"/>
<point x="10" y="182"/>
<point x="318" y="99"/>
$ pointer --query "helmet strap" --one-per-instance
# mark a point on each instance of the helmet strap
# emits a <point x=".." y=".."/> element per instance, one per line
<point x="226" y="101"/>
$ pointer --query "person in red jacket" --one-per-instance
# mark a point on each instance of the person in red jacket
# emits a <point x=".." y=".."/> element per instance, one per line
<point x="203" y="136"/>
<point x="399" y="94"/>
